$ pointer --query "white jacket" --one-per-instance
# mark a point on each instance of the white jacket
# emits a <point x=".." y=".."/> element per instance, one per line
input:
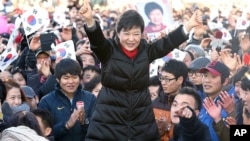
<point x="20" y="133"/>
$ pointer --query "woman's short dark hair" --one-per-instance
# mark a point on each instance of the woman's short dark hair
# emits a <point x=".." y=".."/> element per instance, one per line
<point x="24" y="118"/>
<point x="128" y="20"/>
<point x="150" y="6"/>
<point x="67" y="66"/>
<point x="10" y="83"/>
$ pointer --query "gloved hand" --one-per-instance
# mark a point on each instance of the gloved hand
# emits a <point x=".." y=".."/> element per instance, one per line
<point x="30" y="60"/>
<point x="23" y="107"/>
<point x="6" y="109"/>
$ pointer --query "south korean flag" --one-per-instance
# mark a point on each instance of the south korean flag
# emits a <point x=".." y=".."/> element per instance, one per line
<point x="241" y="23"/>
<point x="34" y="19"/>
<point x="7" y="57"/>
<point x="65" y="50"/>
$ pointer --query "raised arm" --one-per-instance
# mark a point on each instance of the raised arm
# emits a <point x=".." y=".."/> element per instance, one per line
<point x="195" y="20"/>
<point x="86" y="13"/>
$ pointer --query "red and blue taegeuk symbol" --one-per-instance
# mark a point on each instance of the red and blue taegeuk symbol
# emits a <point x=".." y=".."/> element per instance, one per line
<point x="243" y="22"/>
<point x="7" y="57"/>
<point x="62" y="52"/>
<point x="31" y="20"/>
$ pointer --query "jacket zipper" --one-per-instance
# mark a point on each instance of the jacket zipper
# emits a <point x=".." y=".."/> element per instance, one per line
<point x="130" y="99"/>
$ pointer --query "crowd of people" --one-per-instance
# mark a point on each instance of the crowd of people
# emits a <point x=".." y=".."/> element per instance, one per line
<point x="107" y="93"/>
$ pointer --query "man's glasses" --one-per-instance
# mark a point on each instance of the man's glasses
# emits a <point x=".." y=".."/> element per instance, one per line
<point x="195" y="73"/>
<point x="167" y="80"/>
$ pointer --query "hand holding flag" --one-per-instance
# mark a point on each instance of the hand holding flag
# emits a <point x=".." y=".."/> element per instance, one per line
<point x="35" y="42"/>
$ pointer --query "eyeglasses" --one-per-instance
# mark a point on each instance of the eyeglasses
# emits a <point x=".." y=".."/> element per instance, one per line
<point x="167" y="80"/>
<point x="195" y="73"/>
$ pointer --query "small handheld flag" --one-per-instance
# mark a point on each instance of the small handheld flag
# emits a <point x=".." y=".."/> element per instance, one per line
<point x="34" y="19"/>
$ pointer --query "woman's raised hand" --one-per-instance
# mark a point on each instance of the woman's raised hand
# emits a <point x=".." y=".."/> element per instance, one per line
<point x="86" y="13"/>
<point x="195" y="20"/>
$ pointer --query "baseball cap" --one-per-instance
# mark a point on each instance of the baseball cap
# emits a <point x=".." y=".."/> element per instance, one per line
<point x="41" y="51"/>
<point x="216" y="68"/>
<point x="28" y="91"/>
<point x="198" y="63"/>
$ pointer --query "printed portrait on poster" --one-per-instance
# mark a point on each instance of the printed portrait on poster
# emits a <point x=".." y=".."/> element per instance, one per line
<point x="157" y="16"/>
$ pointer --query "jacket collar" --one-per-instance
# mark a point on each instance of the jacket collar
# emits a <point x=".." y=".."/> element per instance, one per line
<point x="62" y="96"/>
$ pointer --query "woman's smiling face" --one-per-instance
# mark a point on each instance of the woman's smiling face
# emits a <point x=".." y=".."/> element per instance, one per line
<point x="130" y="39"/>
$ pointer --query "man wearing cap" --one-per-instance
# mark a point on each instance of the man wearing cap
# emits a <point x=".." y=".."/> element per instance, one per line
<point x="195" y="76"/>
<point x="43" y="63"/>
<point x="44" y="66"/>
<point x="31" y="97"/>
<point x="215" y="78"/>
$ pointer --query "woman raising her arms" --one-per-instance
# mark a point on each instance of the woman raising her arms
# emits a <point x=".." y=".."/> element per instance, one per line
<point x="123" y="109"/>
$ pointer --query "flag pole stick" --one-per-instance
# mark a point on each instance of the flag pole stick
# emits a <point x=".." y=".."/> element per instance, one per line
<point x="235" y="30"/>
<point x="27" y="41"/>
